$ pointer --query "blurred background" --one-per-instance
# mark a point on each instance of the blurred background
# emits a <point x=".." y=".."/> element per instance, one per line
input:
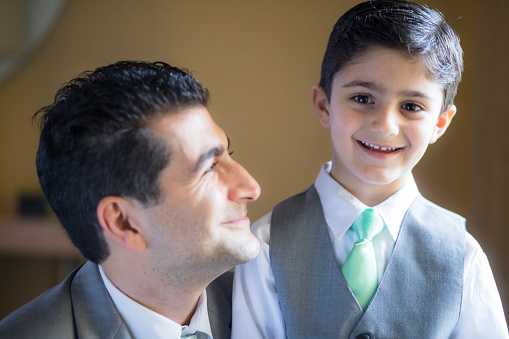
<point x="259" y="59"/>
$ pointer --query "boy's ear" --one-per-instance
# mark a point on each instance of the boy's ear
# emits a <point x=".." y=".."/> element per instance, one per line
<point x="321" y="104"/>
<point x="119" y="219"/>
<point x="444" y="120"/>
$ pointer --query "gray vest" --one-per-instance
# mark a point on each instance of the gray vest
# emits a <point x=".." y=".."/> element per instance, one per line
<point x="419" y="295"/>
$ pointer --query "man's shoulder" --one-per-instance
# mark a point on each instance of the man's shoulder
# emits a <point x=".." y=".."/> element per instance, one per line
<point x="49" y="314"/>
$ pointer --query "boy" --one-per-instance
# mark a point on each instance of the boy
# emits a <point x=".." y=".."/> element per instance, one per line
<point x="361" y="254"/>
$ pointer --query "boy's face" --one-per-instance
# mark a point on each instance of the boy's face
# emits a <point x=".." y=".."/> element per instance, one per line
<point x="383" y="113"/>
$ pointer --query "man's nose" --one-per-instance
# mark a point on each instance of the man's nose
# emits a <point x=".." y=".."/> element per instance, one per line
<point x="242" y="185"/>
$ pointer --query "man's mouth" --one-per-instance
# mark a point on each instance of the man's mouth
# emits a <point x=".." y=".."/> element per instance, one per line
<point x="235" y="220"/>
<point x="378" y="148"/>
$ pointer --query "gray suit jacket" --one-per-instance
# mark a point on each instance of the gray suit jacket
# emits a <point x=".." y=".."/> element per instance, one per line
<point x="80" y="307"/>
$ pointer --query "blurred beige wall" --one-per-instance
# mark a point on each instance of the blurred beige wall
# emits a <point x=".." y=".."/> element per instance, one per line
<point x="260" y="59"/>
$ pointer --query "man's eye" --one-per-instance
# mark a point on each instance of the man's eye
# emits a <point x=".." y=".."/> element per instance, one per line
<point x="411" y="107"/>
<point x="211" y="168"/>
<point x="362" y="99"/>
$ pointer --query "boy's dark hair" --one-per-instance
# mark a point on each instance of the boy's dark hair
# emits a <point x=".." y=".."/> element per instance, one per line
<point x="95" y="142"/>
<point x="413" y="29"/>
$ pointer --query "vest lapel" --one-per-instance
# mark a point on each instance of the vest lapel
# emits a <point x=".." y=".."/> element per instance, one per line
<point x="426" y="265"/>
<point x="308" y="278"/>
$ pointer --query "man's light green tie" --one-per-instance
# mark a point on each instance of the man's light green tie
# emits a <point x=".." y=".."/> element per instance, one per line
<point x="359" y="268"/>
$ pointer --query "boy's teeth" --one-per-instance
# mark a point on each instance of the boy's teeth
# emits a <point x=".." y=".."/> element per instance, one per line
<point x="382" y="148"/>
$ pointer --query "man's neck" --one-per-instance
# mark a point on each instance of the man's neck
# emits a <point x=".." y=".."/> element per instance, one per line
<point x="175" y="299"/>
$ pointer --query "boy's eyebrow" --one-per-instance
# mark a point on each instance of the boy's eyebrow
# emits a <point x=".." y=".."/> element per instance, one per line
<point x="417" y="94"/>
<point x="377" y="88"/>
<point x="369" y="85"/>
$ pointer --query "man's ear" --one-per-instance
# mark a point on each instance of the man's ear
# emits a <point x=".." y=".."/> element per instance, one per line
<point x="444" y="120"/>
<point x="119" y="218"/>
<point x="321" y="104"/>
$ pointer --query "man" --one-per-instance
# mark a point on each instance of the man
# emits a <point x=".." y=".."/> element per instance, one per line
<point x="140" y="177"/>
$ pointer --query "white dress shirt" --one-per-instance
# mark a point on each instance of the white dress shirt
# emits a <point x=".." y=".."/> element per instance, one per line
<point x="256" y="311"/>
<point x="143" y="323"/>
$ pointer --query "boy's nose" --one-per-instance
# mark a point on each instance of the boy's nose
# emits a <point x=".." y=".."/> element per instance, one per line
<point x="242" y="185"/>
<point x="386" y="121"/>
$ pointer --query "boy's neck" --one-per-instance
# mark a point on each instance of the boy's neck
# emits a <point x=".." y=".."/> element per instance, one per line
<point x="372" y="194"/>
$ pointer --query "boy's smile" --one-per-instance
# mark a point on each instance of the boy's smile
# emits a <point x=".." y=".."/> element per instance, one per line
<point x="378" y="150"/>
<point x="383" y="113"/>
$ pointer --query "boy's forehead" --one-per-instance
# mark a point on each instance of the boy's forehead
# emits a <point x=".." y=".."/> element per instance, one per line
<point x="377" y="55"/>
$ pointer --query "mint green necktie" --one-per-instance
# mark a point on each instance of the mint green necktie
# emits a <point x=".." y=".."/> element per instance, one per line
<point x="359" y="268"/>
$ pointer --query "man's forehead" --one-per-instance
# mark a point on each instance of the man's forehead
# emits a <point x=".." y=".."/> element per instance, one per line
<point x="181" y="123"/>
<point x="189" y="131"/>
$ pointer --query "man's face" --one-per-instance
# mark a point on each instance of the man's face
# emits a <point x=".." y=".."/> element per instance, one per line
<point x="383" y="113"/>
<point x="201" y="219"/>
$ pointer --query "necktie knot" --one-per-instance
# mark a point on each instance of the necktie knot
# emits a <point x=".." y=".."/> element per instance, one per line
<point x="368" y="224"/>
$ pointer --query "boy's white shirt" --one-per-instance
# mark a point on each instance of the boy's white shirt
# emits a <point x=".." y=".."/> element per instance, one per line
<point x="143" y="323"/>
<point x="256" y="312"/>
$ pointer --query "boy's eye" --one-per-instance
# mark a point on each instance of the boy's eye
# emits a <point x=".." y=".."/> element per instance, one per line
<point x="411" y="107"/>
<point x="362" y="99"/>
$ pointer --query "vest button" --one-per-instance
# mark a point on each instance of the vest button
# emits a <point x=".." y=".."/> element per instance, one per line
<point x="365" y="336"/>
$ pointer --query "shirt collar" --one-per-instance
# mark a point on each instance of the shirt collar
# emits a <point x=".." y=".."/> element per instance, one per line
<point x="340" y="208"/>
<point x="145" y="323"/>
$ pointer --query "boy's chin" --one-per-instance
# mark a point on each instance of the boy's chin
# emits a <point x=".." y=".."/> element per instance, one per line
<point x="387" y="182"/>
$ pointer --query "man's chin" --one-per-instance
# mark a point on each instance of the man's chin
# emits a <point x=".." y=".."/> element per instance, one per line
<point x="244" y="252"/>
<point x="250" y="252"/>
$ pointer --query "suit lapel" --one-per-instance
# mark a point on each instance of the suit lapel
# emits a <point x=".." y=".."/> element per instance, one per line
<point x="95" y="314"/>
<point x="219" y="305"/>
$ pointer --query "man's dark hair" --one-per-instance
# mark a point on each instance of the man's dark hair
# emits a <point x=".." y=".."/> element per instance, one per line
<point x="95" y="142"/>
<point x="413" y="29"/>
